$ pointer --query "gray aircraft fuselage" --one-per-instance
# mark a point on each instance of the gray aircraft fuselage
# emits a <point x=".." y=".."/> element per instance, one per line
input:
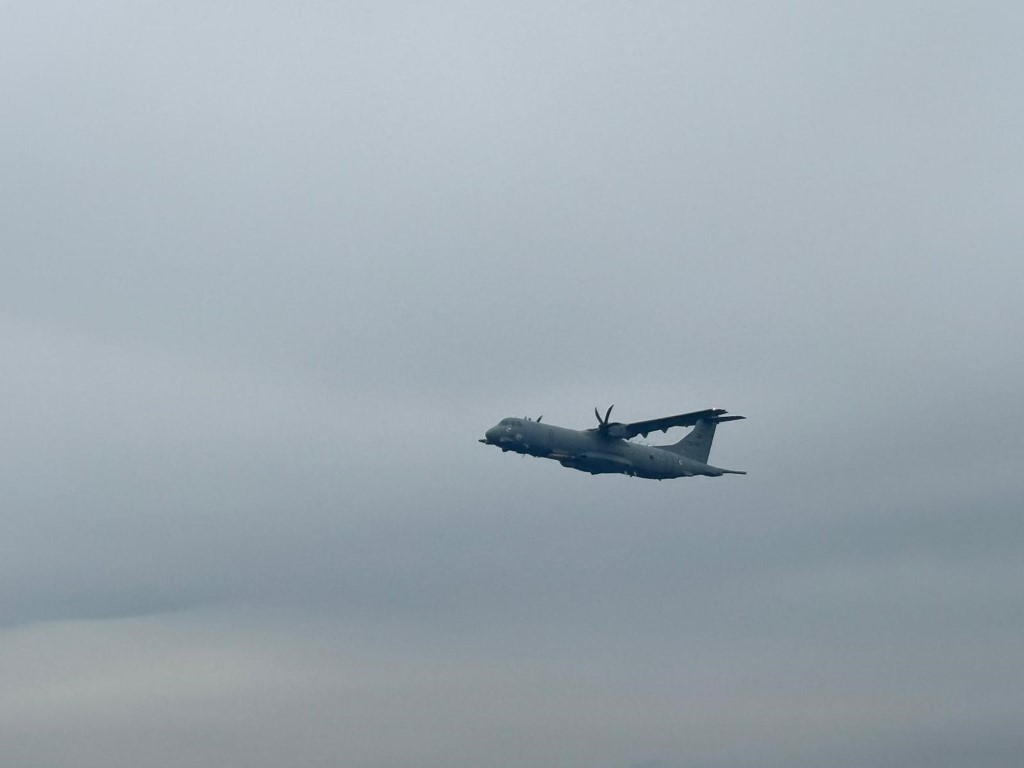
<point x="596" y="452"/>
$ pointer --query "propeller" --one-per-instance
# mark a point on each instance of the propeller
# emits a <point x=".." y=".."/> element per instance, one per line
<point x="606" y="427"/>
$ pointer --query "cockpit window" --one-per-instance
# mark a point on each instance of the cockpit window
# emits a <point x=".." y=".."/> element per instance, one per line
<point x="507" y="422"/>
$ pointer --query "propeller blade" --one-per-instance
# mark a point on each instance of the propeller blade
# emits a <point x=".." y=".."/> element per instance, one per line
<point x="603" y="423"/>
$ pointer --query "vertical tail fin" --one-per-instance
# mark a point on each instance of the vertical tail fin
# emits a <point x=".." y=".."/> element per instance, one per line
<point x="697" y="444"/>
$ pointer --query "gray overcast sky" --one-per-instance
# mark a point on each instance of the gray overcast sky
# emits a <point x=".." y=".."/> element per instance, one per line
<point x="270" y="269"/>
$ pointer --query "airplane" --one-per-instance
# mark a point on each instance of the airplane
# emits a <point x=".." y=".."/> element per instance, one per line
<point x="606" y="448"/>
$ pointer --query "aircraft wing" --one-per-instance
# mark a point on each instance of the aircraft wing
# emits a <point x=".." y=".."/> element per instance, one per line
<point x="665" y="423"/>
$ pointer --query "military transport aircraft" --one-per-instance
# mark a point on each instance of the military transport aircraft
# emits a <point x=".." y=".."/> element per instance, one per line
<point x="606" y="447"/>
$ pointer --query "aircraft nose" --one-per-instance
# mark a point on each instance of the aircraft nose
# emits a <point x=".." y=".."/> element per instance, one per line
<point x="491" y="435"/>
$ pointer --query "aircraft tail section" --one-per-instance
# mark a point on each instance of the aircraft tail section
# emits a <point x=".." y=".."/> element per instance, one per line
<point x="697" y="444"/>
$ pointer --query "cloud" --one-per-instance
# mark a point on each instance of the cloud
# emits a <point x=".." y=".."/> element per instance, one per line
<point x="271" y="271"/>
